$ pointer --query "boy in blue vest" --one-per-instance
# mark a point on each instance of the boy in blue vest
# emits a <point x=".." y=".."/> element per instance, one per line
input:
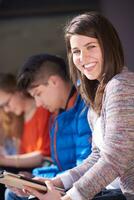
<point x="46" y="78"/>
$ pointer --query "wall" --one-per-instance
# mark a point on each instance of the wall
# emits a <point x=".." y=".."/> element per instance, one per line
<point x="121" y="14"/>
<point x="21" y="37"/>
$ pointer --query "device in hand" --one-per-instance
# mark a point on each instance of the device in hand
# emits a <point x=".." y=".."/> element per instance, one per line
<point x="19" y="181"/>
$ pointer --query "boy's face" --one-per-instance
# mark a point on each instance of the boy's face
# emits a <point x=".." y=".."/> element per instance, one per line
<point x="47" y="95"/>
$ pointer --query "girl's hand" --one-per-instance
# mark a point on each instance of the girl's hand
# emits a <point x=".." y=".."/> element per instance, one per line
<point x="52" y="193"/>
<point x="23" y="192"/>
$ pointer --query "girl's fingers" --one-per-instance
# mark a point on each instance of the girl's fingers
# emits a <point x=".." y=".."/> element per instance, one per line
<point x="32" y="191"/>
<point x="41" y="179"/>
<point x="50" y="185"/>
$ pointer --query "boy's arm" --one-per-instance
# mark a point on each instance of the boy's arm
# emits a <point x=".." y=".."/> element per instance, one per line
<point x="82" y="137"/>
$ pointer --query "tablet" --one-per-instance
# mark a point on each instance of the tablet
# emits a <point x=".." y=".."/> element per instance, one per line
<point x="19" y="181"/>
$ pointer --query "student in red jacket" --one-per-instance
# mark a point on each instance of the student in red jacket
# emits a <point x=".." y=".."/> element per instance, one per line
<point x="35" y="141"/>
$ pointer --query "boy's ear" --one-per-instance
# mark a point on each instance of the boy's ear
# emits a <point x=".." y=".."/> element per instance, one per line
<point x="54" y="79"/>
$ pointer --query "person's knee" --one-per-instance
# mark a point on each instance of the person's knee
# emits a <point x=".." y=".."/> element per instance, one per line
<point x="9" y="195"/>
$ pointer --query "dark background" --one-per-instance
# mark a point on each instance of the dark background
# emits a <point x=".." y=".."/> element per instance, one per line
<point x="28" y="27"/>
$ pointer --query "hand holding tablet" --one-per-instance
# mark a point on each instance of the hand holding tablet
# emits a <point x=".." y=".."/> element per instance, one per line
<point x="20" y="181"/>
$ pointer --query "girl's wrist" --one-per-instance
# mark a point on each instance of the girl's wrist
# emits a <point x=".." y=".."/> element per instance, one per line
<point x="57" y="182"/>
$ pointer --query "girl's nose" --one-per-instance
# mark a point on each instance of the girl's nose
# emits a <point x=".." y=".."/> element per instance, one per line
<point x="83" y="57"/>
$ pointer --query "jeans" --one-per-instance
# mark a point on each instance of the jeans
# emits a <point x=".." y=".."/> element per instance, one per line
<point x="110" y="195"/>
<point x="9" y="195"/>
<point x="104" y="195"/>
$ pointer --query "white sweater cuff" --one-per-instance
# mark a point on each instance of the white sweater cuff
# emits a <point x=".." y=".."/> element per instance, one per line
<point x="66" y="180"/>
<point x="74" y="194"/>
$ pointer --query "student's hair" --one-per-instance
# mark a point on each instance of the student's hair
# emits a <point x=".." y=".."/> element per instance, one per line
<point x="12" y="125"/>
<point x="38" y="68"/>
<point x="8" y="82"/>
<point x="93" y="24"/>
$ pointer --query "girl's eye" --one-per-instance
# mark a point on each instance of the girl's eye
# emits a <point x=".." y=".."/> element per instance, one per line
<point x="76" y="52"/>
<point x="91" y="47"/>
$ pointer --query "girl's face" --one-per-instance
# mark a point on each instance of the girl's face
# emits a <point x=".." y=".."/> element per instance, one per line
<point x="12" y="102"/>
<point x="4" y="98"/>
<point x="16" y="104"/>
<point x="87" y="56"/>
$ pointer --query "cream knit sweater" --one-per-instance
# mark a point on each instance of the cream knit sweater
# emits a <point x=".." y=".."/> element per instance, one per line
<point x="116" y="157"/>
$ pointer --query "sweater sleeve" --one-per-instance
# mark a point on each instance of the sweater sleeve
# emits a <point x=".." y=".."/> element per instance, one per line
<point x="116" y="156"/>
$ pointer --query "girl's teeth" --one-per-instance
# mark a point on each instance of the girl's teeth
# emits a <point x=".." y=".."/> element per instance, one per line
<point x="89" y="65"/>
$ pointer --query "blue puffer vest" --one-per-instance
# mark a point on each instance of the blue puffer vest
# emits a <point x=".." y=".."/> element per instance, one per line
<point x="70" y="140"/>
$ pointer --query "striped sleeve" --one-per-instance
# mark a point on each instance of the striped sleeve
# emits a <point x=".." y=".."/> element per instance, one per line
<point x="116" y="157"/>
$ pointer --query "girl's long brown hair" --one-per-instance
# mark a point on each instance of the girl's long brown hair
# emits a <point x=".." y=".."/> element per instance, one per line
<point x="11" y="125"/>
<point x="95" y="25"/>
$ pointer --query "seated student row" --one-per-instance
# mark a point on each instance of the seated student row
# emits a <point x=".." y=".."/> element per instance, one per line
<point x="70" y="133"/>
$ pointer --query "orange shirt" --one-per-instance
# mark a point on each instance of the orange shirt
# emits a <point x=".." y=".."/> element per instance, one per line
<point x="36" y="133"/>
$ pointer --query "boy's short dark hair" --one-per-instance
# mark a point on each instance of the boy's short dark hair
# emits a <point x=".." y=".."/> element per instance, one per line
<point x="38" y="68"/>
